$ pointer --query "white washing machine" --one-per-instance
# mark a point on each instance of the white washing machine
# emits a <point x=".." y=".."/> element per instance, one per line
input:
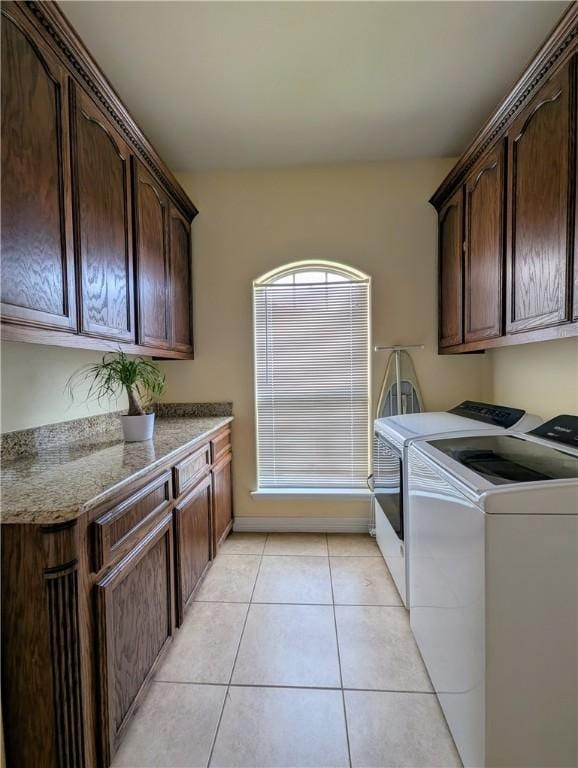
<point x="393" y="436"/>
<point x="493" y="521"/>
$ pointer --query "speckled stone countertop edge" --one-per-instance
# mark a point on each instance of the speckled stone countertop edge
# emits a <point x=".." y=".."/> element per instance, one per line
<point x="23" y="443"/>
<point x="61" y="513"/>
<point x="168" y="459"/>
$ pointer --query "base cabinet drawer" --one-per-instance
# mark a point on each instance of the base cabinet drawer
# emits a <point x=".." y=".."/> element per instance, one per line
<point x="193" y="541"/>
<point x="220" y="445"/>
<point x="119" y="529"/>
<point x="222" y="500"/>
<point x="134" y="624"/>
<point x="190" y="470"/>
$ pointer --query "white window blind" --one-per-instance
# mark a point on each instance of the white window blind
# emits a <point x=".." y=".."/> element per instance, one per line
<point x="312" y="381"/>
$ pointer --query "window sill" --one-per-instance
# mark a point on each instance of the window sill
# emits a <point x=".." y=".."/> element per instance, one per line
<point x="353" y="494"/>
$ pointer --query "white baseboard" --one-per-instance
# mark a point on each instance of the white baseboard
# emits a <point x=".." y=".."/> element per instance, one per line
<point x="302" y="524"/>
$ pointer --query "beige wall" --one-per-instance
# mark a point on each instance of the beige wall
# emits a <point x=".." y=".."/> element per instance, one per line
<point x="542" y="378"/>
<point x="374" y="217"/>
<point x="33" y="386"/>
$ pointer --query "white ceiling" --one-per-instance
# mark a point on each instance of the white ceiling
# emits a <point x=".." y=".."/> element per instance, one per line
<point x="258" y="84"/>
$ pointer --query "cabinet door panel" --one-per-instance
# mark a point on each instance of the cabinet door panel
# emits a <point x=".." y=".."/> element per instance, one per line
<point x="135" y="622"/>
<point x="222" y="499"/>
<point x="153" y="266"/>
<point x="181" y="287"/>
<point x="450" y="254"/>
<point x="575" y="294"/>
<point x="193" y="541"/>
<point x="538" y="253"/>
<point x="37" y="257"/>
<point x="484" y="248"/>
<point x="102" y="199"/>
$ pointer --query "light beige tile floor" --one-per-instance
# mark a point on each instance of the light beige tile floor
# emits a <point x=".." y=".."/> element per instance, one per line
<point x="289" y="645"/>
<point x="345" y="544"/>
<point x="204" y="649"/>
<point x="175" y="727"/>
<point x="415" y="736"/>
<point x="230" y="579"/>
<point x="244" y="544"/>
<point x="296" y="544"/>
<point x="359" y="580"/>
<point x="285" y="727"/>
<point x="296" y="653"/>
<point x="377" y="649"/>
<point x="293" y="579"/>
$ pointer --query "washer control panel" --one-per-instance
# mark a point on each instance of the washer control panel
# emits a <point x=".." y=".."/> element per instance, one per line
<point x="561" y="429"/>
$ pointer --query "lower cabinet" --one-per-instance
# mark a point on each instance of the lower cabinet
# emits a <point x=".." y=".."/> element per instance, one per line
<point x="193" y="527"/>
<point x="134" y="623"/>
<point x="89" y="606"/>
<point x="222" y="500"/>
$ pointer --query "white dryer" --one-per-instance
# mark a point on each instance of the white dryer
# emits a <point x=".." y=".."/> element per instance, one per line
<point x="392" y="437"/>
<point x="493" y="522"/>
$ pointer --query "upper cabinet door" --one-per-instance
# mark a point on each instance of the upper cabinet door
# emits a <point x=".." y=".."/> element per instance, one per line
<point x="37" y="254"/>
<point x="538" y="202"/>
<point x="181" y="283"/>
<point x="484" y="247"/>
<point x="575" y="302"/>
<point x="153" y="260"/>
<point x="450" y="255"/>
<point x="102" y="200"/>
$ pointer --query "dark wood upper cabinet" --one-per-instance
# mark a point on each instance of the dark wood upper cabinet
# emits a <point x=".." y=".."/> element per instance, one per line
<point x="484" y="248"/>
<point x="37" y="251"/>
<point x="520" y="177"/>
<point x="450" y="255"/>
<point x="89" y="209"/>
<point x="193" y="541"/>
<point x="102" y="202"/>
<point x="181" y="281"/>
<point x="135" y="622"/>
<point x="538" y="205"/>
<point x="575" y="291"/>
<point x="152" y="259"/>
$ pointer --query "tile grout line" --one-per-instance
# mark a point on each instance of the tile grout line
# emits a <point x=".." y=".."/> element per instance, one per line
<point x="339" y="657"/>
<point x="295" y="554"/>
<point x="349" y="689"/>
<point x="312" y="605"/>
<point x="217" y="729"/>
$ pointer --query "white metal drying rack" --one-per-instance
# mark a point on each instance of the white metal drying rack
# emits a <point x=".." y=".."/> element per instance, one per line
<point x="397" y="351"/>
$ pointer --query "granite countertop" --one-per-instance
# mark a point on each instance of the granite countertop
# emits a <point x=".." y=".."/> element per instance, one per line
<point x="64" y="481"/>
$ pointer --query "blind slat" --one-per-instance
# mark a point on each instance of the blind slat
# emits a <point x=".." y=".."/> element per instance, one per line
<point x="312" y="384"/>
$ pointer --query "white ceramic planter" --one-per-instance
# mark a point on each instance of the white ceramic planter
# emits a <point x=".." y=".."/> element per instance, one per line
<point x="138" y="428"/>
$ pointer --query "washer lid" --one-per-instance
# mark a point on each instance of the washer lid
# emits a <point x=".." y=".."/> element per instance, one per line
<point x="410" y="426"/>
<point x="508" y="459"/>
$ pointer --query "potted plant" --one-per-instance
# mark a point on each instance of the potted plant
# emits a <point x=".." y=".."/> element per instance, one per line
<point x="142" y="381"/>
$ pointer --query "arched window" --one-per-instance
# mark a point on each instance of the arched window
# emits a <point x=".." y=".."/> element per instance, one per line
<point x="312" y="376"/>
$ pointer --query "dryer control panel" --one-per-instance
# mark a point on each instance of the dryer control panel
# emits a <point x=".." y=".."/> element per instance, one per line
<point x="498" y="415"/>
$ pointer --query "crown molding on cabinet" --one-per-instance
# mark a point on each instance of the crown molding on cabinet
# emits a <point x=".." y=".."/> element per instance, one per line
<point x="554" y="51"/>
<point x="61" y="35"/>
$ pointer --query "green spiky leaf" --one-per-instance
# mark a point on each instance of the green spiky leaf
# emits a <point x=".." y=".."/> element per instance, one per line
<point x="142" y="380"/>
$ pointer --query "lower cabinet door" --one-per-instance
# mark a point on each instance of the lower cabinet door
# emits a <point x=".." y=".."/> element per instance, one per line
<point x="222" y="499"/>
<point x="134" y="622"/>
<point x="193" y="541"/>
